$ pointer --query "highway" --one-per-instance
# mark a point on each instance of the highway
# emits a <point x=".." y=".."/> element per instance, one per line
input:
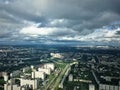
<point x="57" y="82"/>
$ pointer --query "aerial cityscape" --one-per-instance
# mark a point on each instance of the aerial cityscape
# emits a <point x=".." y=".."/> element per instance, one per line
<point x="59" y="68"/>
<point x="59" y="45"/>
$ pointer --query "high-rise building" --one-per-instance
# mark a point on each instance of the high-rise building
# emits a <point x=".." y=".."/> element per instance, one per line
<point x="45" y="70"/>
<point x="38" y="74"/>
<point x="70" y="77"/>
<point x="33" y="84"/>
<point x="91" y="87"/>
<point x="49" y="65"/>
<point x="5" y="78"/>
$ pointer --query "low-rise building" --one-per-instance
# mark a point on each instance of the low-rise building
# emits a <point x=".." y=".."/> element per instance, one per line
<point x="15" y="73"/>
<point x="56" y="55"/>
<point x="26" y="69"/>
<point x="15" y="87"/>
<point x="108" y="87"/>
<point x="2" y="74"/>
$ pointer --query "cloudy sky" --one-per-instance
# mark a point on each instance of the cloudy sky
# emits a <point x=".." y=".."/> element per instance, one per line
<point x="60" y="22"/>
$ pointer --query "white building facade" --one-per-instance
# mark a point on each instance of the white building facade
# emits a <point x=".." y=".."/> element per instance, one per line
<point x="33" y="84"/>
<point x="45" y="70"/>
<point x="49" y="65"/>
<point x="38" y="74"/>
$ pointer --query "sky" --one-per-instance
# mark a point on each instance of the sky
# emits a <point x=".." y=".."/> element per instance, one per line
<point x="94" y="22"/>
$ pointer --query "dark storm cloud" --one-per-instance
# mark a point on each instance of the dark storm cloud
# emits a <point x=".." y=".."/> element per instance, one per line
<point x="89" y="14"/>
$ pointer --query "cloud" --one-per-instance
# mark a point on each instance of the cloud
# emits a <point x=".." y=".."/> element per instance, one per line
<point x="34" y="30"/>
<point x="103" y="35"/>
<point x="72" y="20"/>
<point x="93" y="13"/>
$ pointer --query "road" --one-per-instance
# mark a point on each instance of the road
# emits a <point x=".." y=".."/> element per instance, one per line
<point x="57" y="82"/>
